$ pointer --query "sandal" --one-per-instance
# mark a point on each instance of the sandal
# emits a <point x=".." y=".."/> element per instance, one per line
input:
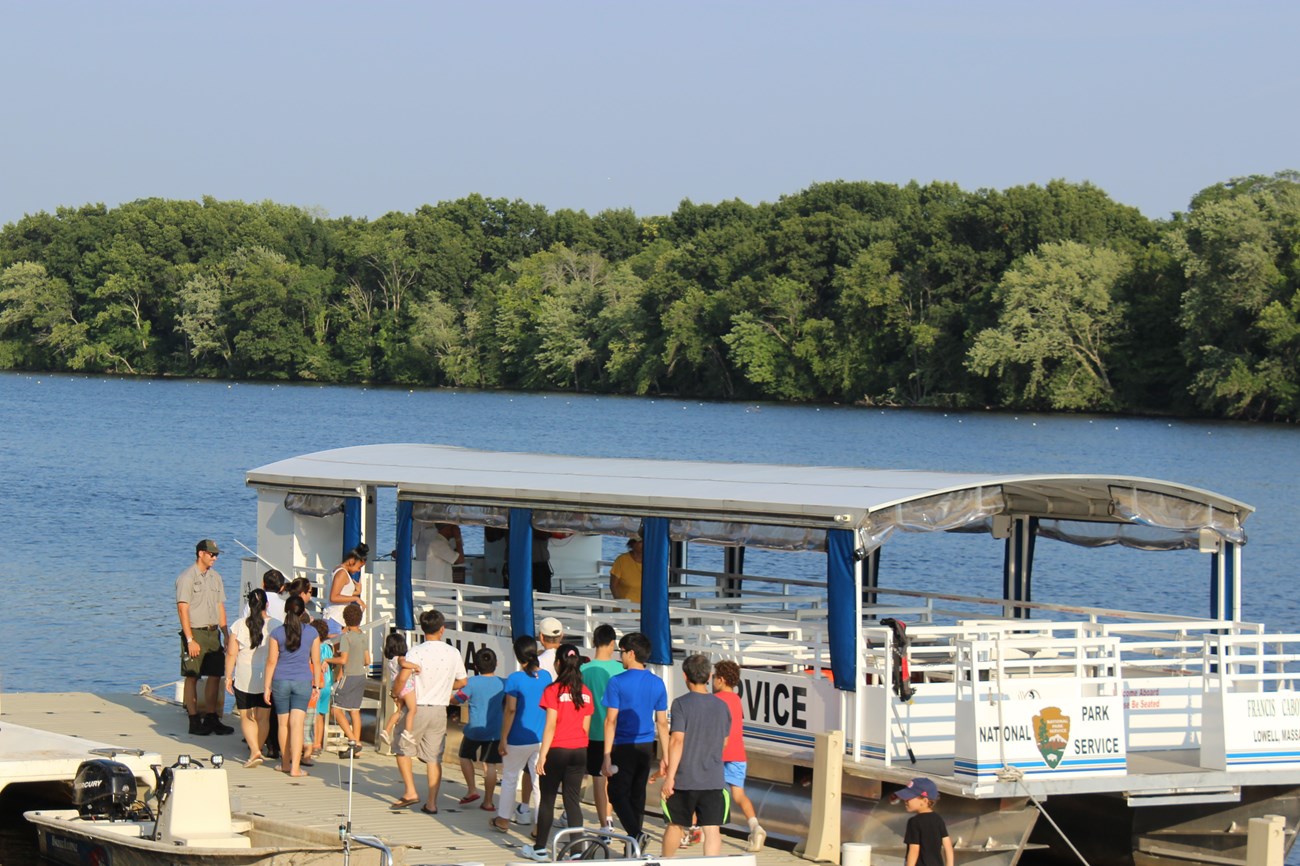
<point x="489" y="807"/>
<point x="501" y="825"/>
<point x="468" y="798"/>
<point x="255" y="761"/>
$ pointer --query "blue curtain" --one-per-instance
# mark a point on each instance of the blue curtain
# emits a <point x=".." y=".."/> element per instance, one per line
<point x="654" y="590"/>
<point x="351" y="523"/>
<point x="842" y="606"/>
<point x="520" y="561"/>
<point x="405" y="599"/>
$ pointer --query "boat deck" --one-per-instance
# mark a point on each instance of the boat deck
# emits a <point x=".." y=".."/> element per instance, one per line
<point x="456" y="835"/>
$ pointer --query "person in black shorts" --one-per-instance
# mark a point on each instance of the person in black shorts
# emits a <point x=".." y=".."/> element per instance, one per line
<point x="480" y="739"/>
<point x="926" y="836"/>
<point x="695" y="789"/>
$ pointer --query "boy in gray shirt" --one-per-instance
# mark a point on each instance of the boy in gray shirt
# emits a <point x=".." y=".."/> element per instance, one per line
<point x="693" y="790"/>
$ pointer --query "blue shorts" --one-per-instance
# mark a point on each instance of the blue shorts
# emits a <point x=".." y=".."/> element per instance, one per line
<point x="733" y="772"/>
<point x="289" y="695"/>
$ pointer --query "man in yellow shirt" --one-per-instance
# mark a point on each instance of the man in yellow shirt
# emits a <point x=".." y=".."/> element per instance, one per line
<point x="625" y="573"/>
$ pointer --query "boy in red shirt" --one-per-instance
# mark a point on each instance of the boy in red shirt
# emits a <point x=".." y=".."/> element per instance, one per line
<point x="726" y="677"/>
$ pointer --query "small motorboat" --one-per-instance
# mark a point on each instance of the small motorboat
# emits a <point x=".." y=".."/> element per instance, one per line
<point x="190" y="824"/>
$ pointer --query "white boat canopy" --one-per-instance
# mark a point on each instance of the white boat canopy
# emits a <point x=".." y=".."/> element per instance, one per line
<point x="847" y="512"/>
<point x="873" y="501"/>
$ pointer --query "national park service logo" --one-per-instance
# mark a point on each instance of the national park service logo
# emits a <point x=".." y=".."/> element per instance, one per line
<point x="1052" y="734"/>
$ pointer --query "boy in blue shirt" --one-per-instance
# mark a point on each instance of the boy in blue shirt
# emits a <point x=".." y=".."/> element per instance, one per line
<point x="636" y="715"/>
<point x="485" y="694"/>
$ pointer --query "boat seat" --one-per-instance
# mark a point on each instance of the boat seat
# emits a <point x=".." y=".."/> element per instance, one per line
<point x="197" y="812"/>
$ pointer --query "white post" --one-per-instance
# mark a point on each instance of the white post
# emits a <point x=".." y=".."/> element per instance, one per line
<point x="1236" y="583"/>
<point x="859" y="664"/>
<point x="1265" y="839"/>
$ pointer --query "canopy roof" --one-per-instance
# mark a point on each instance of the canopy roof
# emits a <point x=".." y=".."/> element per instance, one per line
<point x="818" y="496"/>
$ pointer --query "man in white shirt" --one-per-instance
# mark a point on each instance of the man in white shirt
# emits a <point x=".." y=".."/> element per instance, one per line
<point x="442" y="548"/>
<point x="442" y="672"/>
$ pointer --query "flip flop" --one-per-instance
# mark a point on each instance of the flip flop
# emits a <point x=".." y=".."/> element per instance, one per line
<point x="306" y="763"/>
<point x="255" y="761"/>
<point x="502" y="827"/>
<point x="468" y="798"/>
<point x="404" y="802"/>
<point x="298" y="775"/>
<point x="488" y="807"/>
<point x="426" y="810"/>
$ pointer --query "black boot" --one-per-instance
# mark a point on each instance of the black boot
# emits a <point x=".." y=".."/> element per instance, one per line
<point x="199" y="726"/>
<point x="215" y="726"/>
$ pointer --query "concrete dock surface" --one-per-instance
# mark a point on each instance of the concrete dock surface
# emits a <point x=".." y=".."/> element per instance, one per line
<point x="457" y="834"/>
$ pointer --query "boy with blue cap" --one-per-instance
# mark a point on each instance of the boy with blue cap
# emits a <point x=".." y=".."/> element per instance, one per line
<point x="926" y="836"/>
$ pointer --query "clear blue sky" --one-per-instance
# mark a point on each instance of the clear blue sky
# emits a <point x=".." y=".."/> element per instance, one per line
<point x="361" y="108"/>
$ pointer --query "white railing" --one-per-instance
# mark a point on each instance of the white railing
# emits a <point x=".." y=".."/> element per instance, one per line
<point x="1149" y="674"/>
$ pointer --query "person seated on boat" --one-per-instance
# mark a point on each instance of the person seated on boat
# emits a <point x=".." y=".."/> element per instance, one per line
<point x="345" y="586"/>
<point x="441" y="549"/>
<point x="625" y="573"/>
<point x="201" y="608"/>
<point x="246" y="650"/>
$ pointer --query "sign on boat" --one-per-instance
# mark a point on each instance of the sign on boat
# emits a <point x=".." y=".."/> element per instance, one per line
<point x="1138" y="737"/>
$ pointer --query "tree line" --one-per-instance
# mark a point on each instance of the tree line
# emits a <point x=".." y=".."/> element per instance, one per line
<point x="1046" y="297"/>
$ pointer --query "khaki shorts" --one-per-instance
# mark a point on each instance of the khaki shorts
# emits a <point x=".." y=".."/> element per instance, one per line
<point x="211" y="661"/>
<point x="430" y="734"/>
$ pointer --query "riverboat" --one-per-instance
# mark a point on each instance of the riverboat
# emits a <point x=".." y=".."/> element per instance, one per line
<point x="1067" y="730"/>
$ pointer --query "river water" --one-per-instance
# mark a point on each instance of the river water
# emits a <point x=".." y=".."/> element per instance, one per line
<point x="111" y="481"/>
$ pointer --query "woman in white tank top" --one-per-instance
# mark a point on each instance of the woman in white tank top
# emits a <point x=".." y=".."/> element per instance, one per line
<point x="343" y="588"/>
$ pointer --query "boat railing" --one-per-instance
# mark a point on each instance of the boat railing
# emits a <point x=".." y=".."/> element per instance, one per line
<point x="1251" y="706"/>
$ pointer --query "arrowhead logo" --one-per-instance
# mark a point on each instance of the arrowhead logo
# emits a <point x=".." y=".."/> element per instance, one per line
<point x="1052" y="734"/>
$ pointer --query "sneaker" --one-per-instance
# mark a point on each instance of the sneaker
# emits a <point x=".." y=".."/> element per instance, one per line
<point x="387" y="737"/>
<point x="215" y="725"/>
<point x="609" y="824"/>
<point x="532" y="852"/>
<point x="561" y="821"/>
<point x="691" y="837"/>
<point x="642" y="842"/>
<point x="757" y="836"/>
<point x="523" y="814"/>
<point x="407" y="740"/>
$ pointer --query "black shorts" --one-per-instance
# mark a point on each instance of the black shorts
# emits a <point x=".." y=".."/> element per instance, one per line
<point x="595" y="757"/>
<point x="480" y="750"/>
<point x="250" y="701"/>
<point x="698" y="808"/>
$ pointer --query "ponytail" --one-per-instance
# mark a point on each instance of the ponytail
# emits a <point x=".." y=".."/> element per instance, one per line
<point x="256" y="618"/>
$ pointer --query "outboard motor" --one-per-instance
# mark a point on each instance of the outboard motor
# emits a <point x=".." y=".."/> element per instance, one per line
<point x="104" y="789"/>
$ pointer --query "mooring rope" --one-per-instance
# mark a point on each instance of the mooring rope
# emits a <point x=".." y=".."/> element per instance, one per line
<point x="1015" y="774"/>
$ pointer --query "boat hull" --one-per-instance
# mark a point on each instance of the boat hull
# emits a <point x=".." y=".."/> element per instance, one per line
<point x="64" y="838"/>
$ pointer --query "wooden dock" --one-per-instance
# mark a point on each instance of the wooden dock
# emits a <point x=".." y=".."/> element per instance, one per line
<point x="456" y="835"/>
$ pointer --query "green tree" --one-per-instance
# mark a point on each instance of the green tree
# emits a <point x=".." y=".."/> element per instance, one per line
<point x="1058" y="322"/>
<point x="1239" y="248"/>
<point x="38" y="319"/>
